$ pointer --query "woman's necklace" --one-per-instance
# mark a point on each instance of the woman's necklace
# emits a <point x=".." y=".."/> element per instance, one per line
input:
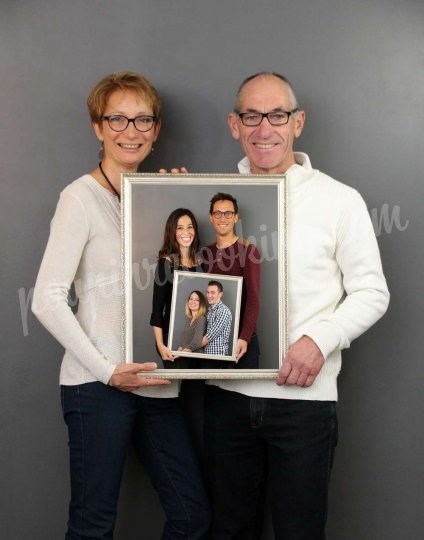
<point x="109" y="182"/>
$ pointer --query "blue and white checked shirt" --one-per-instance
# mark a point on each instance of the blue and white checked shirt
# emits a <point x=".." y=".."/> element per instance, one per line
<point x="218" y="329"/>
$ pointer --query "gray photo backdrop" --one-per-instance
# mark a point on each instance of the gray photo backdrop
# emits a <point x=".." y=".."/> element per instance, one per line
<point x="260" y="222"/>
<point x="358" y="68"/>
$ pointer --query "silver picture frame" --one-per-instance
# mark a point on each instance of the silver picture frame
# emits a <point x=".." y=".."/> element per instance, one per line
<point x="147" y="201"/>
<point x="184" y="284"/>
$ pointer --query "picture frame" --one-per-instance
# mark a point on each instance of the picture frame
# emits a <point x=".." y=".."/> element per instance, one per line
<point x="147" y="200"/>
<point x="185" y="283"/>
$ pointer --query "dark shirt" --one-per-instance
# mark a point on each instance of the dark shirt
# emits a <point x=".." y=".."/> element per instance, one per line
<point x="239" y="259"/>
<point x="162" y="292"/>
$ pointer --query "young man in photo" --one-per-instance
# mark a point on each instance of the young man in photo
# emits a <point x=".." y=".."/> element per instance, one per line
<point x="233" y="256"/>
<point x="219" y="319"/>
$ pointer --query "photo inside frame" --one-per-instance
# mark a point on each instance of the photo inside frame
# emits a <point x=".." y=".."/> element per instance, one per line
<point x="148" y="201"/>
<point x="183" y="331"/>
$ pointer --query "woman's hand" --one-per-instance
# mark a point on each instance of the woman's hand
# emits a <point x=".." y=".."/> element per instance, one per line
<point x="165" y="353"/>
<point x="175" y="170"/>
<point x="126" y="377"/>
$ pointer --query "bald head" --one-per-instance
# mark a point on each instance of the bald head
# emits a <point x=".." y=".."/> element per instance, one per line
<point x="267" y="74"/>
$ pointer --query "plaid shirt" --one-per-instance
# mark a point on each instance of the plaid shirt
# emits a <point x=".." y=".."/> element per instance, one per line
<point x="218" y="331"/>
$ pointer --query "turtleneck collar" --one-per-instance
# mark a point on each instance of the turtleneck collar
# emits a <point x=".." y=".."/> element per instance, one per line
<point x="297" y="174"/>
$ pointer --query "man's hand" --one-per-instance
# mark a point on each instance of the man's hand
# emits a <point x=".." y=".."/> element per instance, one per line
<point x="126" y="377"/>
<point x="241" y="348"/>
<point x="181" y="170"/>
<point x="302" y="363"/>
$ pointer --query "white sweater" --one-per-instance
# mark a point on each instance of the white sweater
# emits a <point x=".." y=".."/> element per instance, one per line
<point x="84" y="247"/>
<point x="337" y="289"/>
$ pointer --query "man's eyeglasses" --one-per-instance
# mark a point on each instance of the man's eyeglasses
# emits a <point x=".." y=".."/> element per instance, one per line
<point x="119" y="122"/>
<point x="227" y="214"/>
<point x="275" y="118"/>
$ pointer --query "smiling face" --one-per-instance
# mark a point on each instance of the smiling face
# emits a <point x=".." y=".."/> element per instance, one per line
<point x="125" y="150"/>
<point x="194" y="303"/>
<point x="213" y="295"/>
<point x="223" y="226"/>
<point x="185" y="232"/>
<point x="269" y="148"/>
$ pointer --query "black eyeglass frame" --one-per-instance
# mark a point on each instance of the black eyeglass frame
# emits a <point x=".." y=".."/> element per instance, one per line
<point x="228" y="214"/>
<point x="129" y="120"/>
<point x="266" y="115"/>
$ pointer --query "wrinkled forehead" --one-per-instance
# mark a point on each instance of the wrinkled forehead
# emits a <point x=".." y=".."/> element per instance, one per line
<point x="265" y="93"/>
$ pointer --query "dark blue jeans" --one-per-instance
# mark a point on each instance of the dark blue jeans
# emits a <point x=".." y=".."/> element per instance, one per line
<point x="290" y="442"/>
<point x="102" y="422"/>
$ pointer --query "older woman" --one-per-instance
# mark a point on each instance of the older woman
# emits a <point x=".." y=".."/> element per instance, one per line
<point x="107" y="404"/>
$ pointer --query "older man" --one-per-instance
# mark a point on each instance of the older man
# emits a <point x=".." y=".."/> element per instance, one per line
<point x="286" y="429"/>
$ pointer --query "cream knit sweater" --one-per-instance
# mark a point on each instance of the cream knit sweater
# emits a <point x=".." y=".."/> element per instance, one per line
<point x="337" y="289"/>
<point x="84" y="247"/>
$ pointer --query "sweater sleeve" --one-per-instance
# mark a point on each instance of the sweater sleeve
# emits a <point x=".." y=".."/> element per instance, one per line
<point x="162" y="291"/>
<point x="69" y="234"/>
<point x="251" y="280"/>
<point x="367" y="295"/>
<point x="199" y="331"/>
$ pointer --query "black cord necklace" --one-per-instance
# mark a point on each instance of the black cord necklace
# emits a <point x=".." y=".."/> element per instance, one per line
<point x="109" y="182"/>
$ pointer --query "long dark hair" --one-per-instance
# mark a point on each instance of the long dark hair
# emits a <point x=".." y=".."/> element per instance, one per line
<point x="170" y="246"/>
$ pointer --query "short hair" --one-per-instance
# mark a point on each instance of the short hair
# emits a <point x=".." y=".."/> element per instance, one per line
<point x="293" y="98"/>
<point x="170" y="246"/>
<point x="223" y="197"/>
<point x="203" y="307"/>
<point x="214" y="283"/>
<point x="126" y="80"/>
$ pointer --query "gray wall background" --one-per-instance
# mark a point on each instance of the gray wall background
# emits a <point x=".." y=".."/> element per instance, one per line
<point x="358" y="67"/>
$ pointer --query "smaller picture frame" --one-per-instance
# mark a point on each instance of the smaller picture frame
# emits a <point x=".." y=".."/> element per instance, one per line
<point x="184" y="332"/>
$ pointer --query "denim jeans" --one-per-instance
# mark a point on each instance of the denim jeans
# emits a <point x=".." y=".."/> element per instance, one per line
<point x="289" y="442"/>
<point x="102" y="422"/>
